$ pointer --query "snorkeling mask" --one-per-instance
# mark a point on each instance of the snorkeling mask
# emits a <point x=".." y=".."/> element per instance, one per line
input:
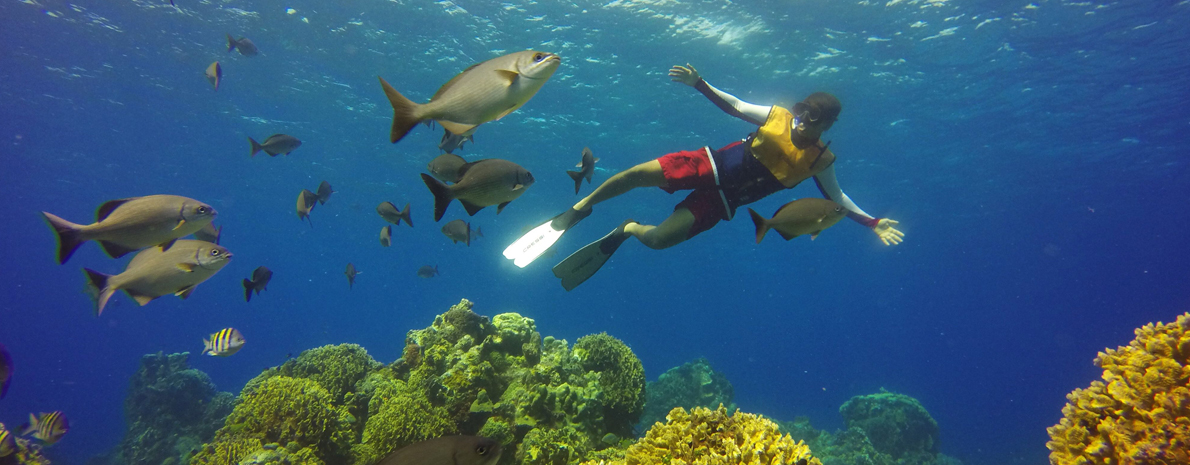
<point x="804" y="113"/>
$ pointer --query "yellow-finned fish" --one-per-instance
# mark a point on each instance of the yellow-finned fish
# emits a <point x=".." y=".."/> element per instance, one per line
<point x="153" y="272"/>
<point x="484" y="92"/>
<point x="223" y="343"/>
<point x="8" y="443"/>
<point x="215" y="74"/>
<point x="48" y="427"/>
<point x="126" y="225"/>
<point x="801" y="216"/>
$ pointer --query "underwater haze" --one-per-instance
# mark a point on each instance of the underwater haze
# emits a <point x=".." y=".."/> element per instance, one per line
<point x="1035" y="154"/>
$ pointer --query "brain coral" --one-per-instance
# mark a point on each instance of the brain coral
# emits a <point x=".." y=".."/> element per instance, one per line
<point x="1140" y="412"/>
<point x="621" y="377"/>
<point x="705" y="437"/>
<point x="896" y="424"/>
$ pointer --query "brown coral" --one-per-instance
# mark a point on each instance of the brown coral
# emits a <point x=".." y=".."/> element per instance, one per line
<point x="1140" y="412"/>
<point x="705" y="437"/>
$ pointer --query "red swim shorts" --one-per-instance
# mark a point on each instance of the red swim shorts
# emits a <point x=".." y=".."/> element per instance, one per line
<point x="693" y="169"/>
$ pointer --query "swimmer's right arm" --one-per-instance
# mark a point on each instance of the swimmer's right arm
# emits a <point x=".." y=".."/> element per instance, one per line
<point x="752" y="113"/>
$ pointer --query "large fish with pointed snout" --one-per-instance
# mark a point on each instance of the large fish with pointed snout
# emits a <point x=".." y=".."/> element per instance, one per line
<point x="484" y="92"/>
<point x="153" y="272"/>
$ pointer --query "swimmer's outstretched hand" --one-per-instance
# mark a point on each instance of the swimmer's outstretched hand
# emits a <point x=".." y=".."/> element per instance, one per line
<point x="684" y="74"/>
<point x="888" y="234"/>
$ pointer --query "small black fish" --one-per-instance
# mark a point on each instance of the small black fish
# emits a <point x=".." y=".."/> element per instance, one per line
<point x="259" y="282"/>
<point x="445" y="167"/>
<point x="427" y="271"/>
<point x="389" y="212"/>
<point x="350" y="275"/>
<point x="386" y="236"/>
<point x="324" y="192"/>
<point x="458" y="231"/>
<point x="451" y="141"/>
<point x="274" y="145"/>
<point x="245" y="46"/>
<point x="447" y="450"/>
<point x="586" y="169"/>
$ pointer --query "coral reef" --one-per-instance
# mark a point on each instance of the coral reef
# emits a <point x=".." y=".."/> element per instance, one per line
<point x="1140" y="412"/>
<point x="703" y="437"/>
<point x="694" y="384"/>
<point x="26" y="453"/>
<point x="464" y="374"/>
<point x="171" y="409"/>
<point x="895" y="424"/>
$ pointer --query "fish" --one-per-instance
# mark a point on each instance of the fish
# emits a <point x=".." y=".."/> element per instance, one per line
<point x="224" y="343"/>
<point x="586" y="169"/>
<point x="324" y="192"/>
<point x="389" y="212"/>
<point x="476" y="233"/>
<point x="259" y="282"/>
<point x="124" y="226"/>
<point x="451" y="142"/>
<point x="5" y="370"/>
<point x="446" y="167"/>
<point x="209" y="233"/>
<point x="274" y="145"/>
<point x="305" y="203"/>
<point x="481" y="184"/>
<point x="8" y="443"/>
<point x="484" y="92"/>
<point x="154" y="272"/>
<point x="48" y="427"/>
<point x="215" y="74"/>
<point x="244" y="45"/>
<point x="351" y="273"/>
<point x="458" y="231"/>
<point x="447" y="450"/>
<point x="801" y="216"/>
<point x="386" y="236"/>
<point x="427" y="271"/>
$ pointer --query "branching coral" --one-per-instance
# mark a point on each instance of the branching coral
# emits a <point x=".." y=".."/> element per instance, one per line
<point x="704" y="437"/>
<point x="1140" y="412"/>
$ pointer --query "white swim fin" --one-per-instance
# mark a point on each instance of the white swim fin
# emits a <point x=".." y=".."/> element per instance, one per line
<point x="534" y="243"/>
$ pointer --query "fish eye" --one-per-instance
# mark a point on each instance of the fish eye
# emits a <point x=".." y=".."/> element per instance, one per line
<point x="838" y="209"/>
<point x="538" y="56"/>
<point x="481" y="450"/>
<point x="203" y="209"/>
<point x="214" y="252"/>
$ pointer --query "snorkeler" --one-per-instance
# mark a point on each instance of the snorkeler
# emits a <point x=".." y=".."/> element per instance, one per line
<point x="784" y="151"/>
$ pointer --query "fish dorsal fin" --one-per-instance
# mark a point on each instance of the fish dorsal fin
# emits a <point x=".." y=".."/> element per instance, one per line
<point x="140" y="299"/>
<point x="508" y="74"/>
<point x="786" y="235"/>
<point x="466" y="166"/>
<point x="167" y="244"/>
<point x="472" y="209"/>
<point x="106" y="209"/>
<point x="778" y="212"/>
<point x="115" y="250"/>
<point x="500" y="208"/>
<point x="457" y="128"/>
<point x="451" y="82"/>
<point x="185" y="292"/>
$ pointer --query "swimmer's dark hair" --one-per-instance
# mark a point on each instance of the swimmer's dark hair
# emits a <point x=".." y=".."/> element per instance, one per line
<point x="828" y="106"/>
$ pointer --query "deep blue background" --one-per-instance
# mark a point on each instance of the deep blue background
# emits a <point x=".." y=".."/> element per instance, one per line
<point x="1036" y="156"/>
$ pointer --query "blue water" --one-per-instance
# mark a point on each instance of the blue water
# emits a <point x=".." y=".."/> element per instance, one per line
<point x="1035" y="155"/>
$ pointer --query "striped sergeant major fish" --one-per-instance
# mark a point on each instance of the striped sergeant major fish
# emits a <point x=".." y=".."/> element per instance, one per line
<point x="223" y="343"/>
<point x="48" y="427"/>
<point x="8" y="443"/>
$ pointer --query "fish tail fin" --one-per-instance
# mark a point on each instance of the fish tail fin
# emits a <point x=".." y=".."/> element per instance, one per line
<point x="30" y="426"/>
<point x="762" y="226"/>
<point x="577" y="176"/>
<point x="256" y="147"/>
<point x="404" y="112"/>
<point x="207" y="347"/>
<point x="405" y="215"/>
<point x="98" y="281"/>
<point x="248" y="290"/>
<point x="69" y="236"/>
<point x="231" y="43"/>
<point x="442" y="195"/>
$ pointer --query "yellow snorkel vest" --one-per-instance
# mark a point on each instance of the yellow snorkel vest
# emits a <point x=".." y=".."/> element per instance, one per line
<point x="773" y="147"/>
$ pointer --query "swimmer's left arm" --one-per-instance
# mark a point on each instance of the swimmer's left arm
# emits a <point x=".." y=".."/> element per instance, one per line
<point x="828" y="184"/>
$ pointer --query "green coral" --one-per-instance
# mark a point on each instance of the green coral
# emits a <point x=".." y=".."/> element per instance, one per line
<point x="621" y="377"/>
<point x="337" y="368"/>
<point x="398" y="417"/>
<point x="896" y="424"/>
<point x="226" y="450"/>
<point x="550" y="446"/>
<point x="694" y="384"/>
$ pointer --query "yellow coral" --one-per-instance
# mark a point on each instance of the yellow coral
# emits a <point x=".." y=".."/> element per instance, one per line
<point x="712" y="437"/>
<point x="1139" y="412"/>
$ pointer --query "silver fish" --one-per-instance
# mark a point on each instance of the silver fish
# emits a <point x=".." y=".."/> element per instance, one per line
<point x="244" y="45"/>
<point x="126" y="225"/>
<point x="484" y="92"/>
<point x="801" y="216"/>
<point x="586" y="169"/>
<point x="274" y="145"/>
<point x="447" y="450"/>
<point x="458" y="231"/>
<point x="389" y="212"/>
<point x="481" y="184"/>
<point x="153" y="272"/>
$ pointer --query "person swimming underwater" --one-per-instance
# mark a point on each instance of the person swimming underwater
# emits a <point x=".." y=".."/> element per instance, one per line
<point x="784" y="151"/>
